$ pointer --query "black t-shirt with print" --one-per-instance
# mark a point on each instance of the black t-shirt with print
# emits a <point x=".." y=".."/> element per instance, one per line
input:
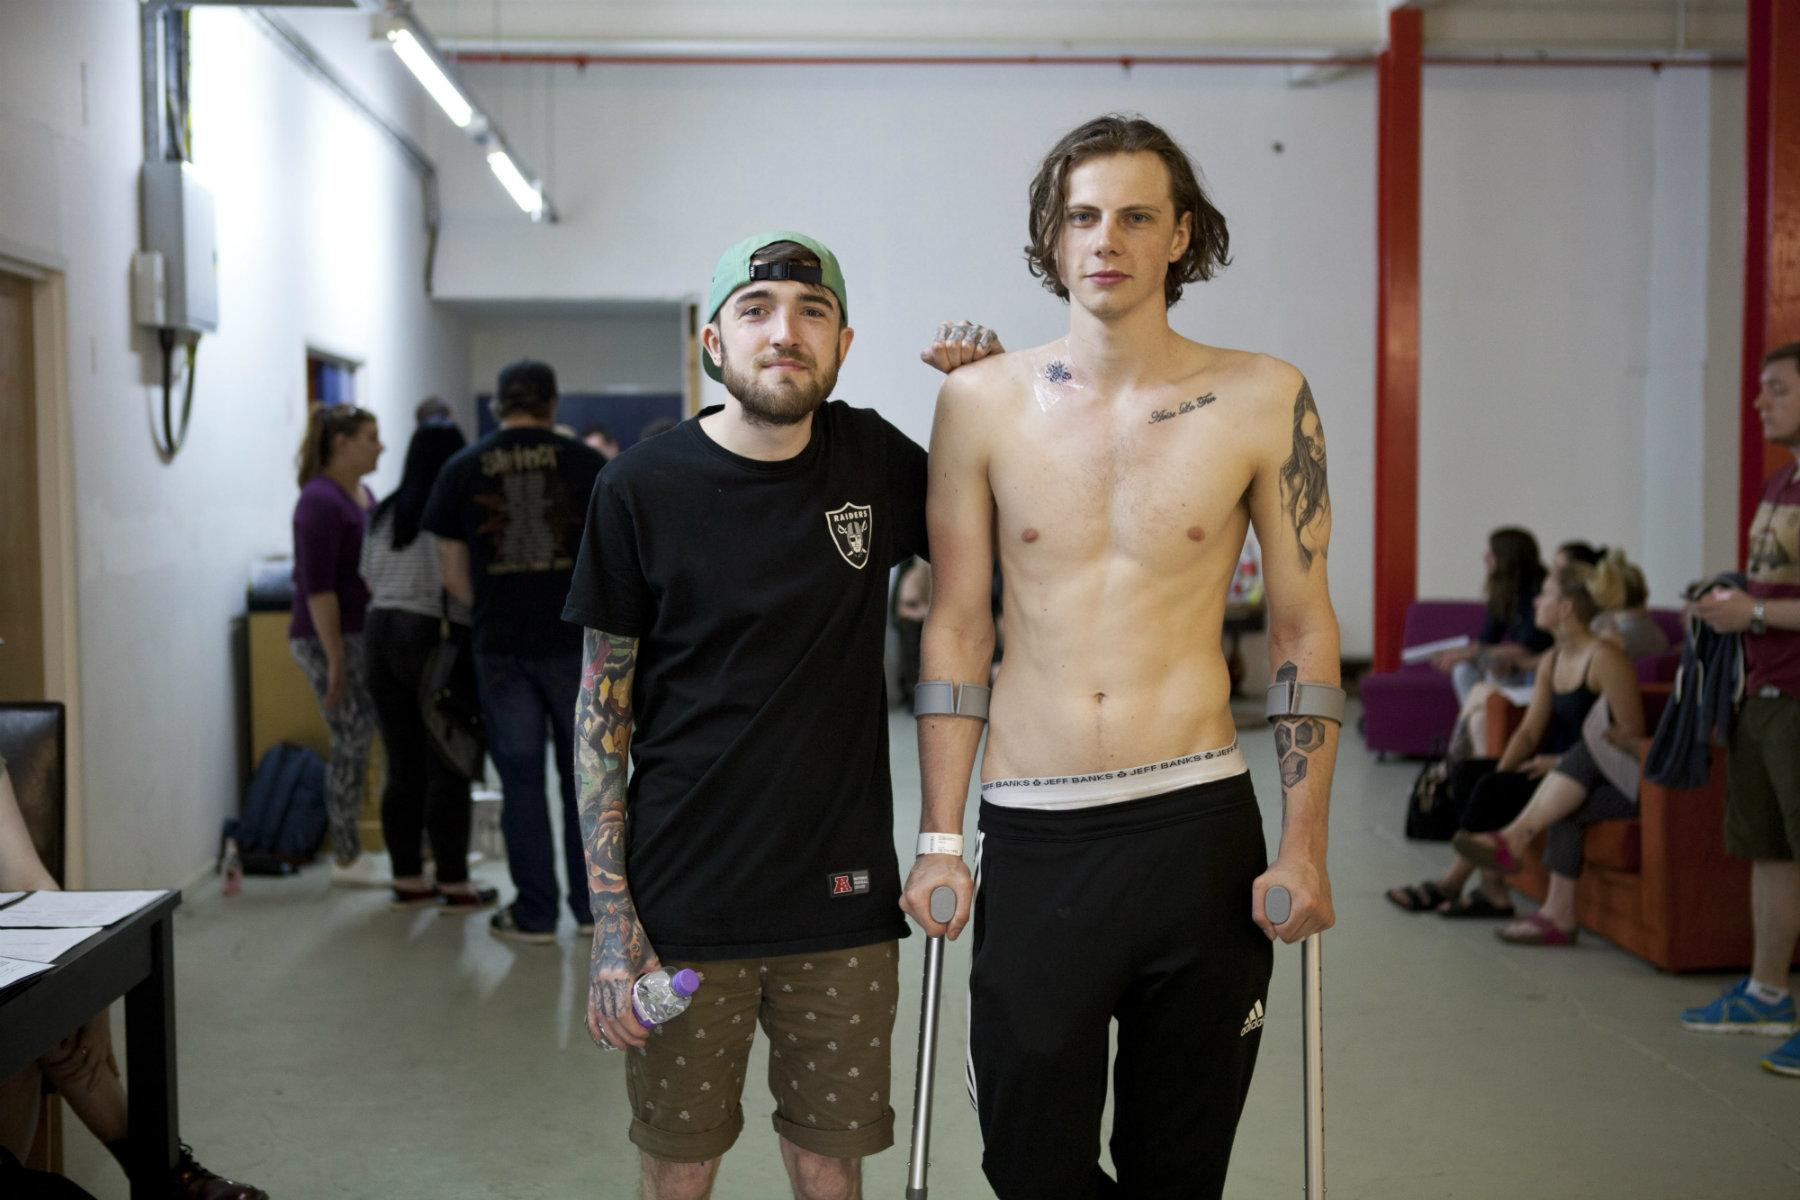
<point x="517" y="498"/>
<point x="760" y="811"/>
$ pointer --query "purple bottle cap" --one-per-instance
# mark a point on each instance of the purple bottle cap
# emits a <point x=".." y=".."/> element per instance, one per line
<point x="685" y="982"/>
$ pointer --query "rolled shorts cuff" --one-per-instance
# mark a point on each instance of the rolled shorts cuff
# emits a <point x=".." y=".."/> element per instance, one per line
<point x="838" y="1143"/>
<point x="702" y="1145"/>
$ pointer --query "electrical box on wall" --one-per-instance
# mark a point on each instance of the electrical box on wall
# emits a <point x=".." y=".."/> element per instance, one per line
<point x="178" y="231"/>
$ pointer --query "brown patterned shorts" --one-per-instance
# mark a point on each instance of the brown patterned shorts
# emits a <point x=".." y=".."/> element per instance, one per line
<point x="829" y="1016"/>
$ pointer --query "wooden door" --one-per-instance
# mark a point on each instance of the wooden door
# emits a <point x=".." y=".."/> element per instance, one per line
<point x="21" y="530"/>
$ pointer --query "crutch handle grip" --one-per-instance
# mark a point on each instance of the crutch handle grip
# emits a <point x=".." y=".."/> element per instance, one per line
<point x="943" y="903"/>
<point x="1278" y="905"/>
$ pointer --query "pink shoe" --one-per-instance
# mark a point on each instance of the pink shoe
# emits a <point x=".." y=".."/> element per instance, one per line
<point x="1487" y="851"/>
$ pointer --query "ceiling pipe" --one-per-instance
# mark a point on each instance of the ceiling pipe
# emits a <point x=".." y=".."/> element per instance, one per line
<point x="581" y="61"/>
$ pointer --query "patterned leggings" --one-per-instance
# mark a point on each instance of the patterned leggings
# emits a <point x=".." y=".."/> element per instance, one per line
<point x="352" y="727"/>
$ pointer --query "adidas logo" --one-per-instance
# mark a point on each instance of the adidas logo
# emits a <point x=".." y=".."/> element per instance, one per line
<point x="1254" y="1020"/>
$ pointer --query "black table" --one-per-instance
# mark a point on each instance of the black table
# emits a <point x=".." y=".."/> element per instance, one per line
<point x="134" y="958"/>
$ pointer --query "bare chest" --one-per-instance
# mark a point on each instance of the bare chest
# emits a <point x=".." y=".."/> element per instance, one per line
<point x="1161" y="481"/>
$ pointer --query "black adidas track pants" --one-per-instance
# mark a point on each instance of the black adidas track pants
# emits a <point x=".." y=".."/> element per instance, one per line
<point x="1137" y="911"/>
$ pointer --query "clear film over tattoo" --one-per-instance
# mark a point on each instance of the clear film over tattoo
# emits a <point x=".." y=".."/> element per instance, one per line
<point x="602" y="745"/>
<point x="1296" y="738"/>
<point x="1304" y="496"/>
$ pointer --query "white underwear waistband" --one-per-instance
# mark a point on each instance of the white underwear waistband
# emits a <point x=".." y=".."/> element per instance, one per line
<point x="1110" y="787"/>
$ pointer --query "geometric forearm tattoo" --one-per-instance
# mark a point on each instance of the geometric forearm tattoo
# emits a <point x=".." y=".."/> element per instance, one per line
<point x="1296" y="738"/>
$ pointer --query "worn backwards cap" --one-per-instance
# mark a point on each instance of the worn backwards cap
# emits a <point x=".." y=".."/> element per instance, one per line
<point x="734" y="271"/>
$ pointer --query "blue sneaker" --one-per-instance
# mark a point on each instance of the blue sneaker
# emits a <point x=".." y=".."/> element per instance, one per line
<point x="1786" y="1059"/>
<point x="1737" y="1011"/>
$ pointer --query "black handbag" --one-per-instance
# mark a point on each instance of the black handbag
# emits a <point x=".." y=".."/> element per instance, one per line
<point x="451" y="705"/>
<point x="1432" y="814"/>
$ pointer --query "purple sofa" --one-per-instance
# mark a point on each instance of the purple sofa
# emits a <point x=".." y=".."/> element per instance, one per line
<point x="1412" y="711"/>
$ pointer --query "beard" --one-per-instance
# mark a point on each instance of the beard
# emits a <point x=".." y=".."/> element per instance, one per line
<point x="787" y="402"/>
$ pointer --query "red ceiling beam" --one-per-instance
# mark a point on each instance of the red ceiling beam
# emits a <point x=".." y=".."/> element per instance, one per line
<point x="1397" y="142"/>
<point x="1771" y="227"/>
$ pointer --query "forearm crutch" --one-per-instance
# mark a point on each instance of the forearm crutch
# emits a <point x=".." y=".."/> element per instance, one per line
<point x="1278" y="906"/>
<point x="943" y="907"/>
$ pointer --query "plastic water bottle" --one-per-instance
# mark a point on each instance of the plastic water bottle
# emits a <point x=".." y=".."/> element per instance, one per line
<point x="659" y="996"/>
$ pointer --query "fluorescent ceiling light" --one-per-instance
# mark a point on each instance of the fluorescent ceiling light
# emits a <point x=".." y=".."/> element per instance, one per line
<point x="426" y="70"/>
<point x="524" y="193"/>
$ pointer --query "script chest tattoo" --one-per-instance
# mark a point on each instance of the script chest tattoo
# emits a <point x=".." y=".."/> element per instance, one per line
<point x="1186" y="406"/>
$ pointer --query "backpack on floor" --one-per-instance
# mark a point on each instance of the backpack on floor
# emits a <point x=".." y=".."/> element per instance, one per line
<point x="1432" y="814"/>
<point x="284" y="820"/>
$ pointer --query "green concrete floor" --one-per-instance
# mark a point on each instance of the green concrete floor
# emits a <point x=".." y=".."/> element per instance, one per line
<point x="331" y="1048"/>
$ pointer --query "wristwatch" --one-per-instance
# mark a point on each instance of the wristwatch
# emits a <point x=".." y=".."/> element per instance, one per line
<point x="1759" y="619"/>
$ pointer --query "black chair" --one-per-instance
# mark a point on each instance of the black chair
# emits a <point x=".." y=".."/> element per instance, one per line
<point x="32" y="740"/>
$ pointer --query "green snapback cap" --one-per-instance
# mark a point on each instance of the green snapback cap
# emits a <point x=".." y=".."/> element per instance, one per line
<point x="733" y="272"/>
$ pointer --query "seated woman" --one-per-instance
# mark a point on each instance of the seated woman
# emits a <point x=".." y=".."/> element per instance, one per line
<point x="1509" y="644"/>
<point x="1624" y="597"/>
<point x="1544" y="757"/>
<point x="81" y="1067"/>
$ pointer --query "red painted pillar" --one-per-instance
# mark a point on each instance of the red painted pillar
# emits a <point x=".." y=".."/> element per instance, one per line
<point x="1771" y="226"/>
<point x="1398" y="77"/>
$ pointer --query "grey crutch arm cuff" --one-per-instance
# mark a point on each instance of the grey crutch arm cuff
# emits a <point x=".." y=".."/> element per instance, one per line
<point x="1293" y="699"/>
<point x="941" y="698"/>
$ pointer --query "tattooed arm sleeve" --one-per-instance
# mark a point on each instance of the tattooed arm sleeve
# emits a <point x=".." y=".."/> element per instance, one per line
<point x="602" y="743"/>
<point x="1290" y="505"/>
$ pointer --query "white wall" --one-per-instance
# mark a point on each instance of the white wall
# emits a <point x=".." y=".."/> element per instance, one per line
<point x="320" y="240"/>
<point x="1581" y="232"/>
<point x="1696" y="306"/>
<point x="606" y="350"/>
<point x="916" y="177"/>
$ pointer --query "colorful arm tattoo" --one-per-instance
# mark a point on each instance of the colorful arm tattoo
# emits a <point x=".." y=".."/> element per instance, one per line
<point x="602" y="745"/>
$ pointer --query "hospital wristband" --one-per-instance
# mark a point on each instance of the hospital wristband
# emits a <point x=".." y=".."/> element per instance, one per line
<point x="941" y="843"/>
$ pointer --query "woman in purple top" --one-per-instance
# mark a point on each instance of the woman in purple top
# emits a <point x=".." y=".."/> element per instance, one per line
<point x="330" y="601"/>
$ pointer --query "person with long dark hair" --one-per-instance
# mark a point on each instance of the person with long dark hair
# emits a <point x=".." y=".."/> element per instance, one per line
<point x="325" y="634"/>
<point x="1509" y="644"/>
<point x="424" y="796"/>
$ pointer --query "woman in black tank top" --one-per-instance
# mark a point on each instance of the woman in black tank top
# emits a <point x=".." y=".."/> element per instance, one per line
<point x="1575" y="673"/>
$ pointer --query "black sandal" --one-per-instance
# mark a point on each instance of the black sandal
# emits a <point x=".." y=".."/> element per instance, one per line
<point x="1475" y="905"/>
<point x="1418" y="897"/>
<point x="460" y="903"/>
<point x="411" y="897"/>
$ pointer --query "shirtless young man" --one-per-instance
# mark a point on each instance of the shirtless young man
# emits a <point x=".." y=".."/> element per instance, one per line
<point x="1120" y="859"/>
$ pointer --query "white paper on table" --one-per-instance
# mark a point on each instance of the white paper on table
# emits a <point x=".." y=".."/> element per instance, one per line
<point x="1425" y="650"/>
<point x="9" y="897"/>
<point x="69" y="910"/>
<point x="42" y="945"/>
<point x="12" y="970"/>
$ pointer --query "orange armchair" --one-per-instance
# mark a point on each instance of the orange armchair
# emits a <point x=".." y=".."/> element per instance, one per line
<point x="1659" y="886"/>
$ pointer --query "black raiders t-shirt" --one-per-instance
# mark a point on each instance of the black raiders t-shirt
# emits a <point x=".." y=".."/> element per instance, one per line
<point x="517" y="498"/>
<point x="760" y="811"/>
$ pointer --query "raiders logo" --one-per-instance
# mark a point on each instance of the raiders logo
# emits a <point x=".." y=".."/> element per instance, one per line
<point x="850" y="527"/>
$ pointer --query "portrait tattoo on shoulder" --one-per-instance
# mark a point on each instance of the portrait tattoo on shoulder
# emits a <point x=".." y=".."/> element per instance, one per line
<point x="1304" y="496"/>
<point x="1296" y="738"/>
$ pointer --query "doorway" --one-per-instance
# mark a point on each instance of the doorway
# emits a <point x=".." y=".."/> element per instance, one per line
<point x="22" y="665"/>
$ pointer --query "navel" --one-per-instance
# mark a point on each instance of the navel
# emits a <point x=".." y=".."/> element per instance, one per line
<point x="1196" y="534"/>
<point x="1030" y="535"/>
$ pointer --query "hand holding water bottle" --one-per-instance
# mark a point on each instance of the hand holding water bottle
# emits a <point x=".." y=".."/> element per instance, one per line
<point x="660" y="997"/>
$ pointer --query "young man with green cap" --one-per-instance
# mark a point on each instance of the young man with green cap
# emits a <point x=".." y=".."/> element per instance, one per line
<point x="732" y="582"/>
